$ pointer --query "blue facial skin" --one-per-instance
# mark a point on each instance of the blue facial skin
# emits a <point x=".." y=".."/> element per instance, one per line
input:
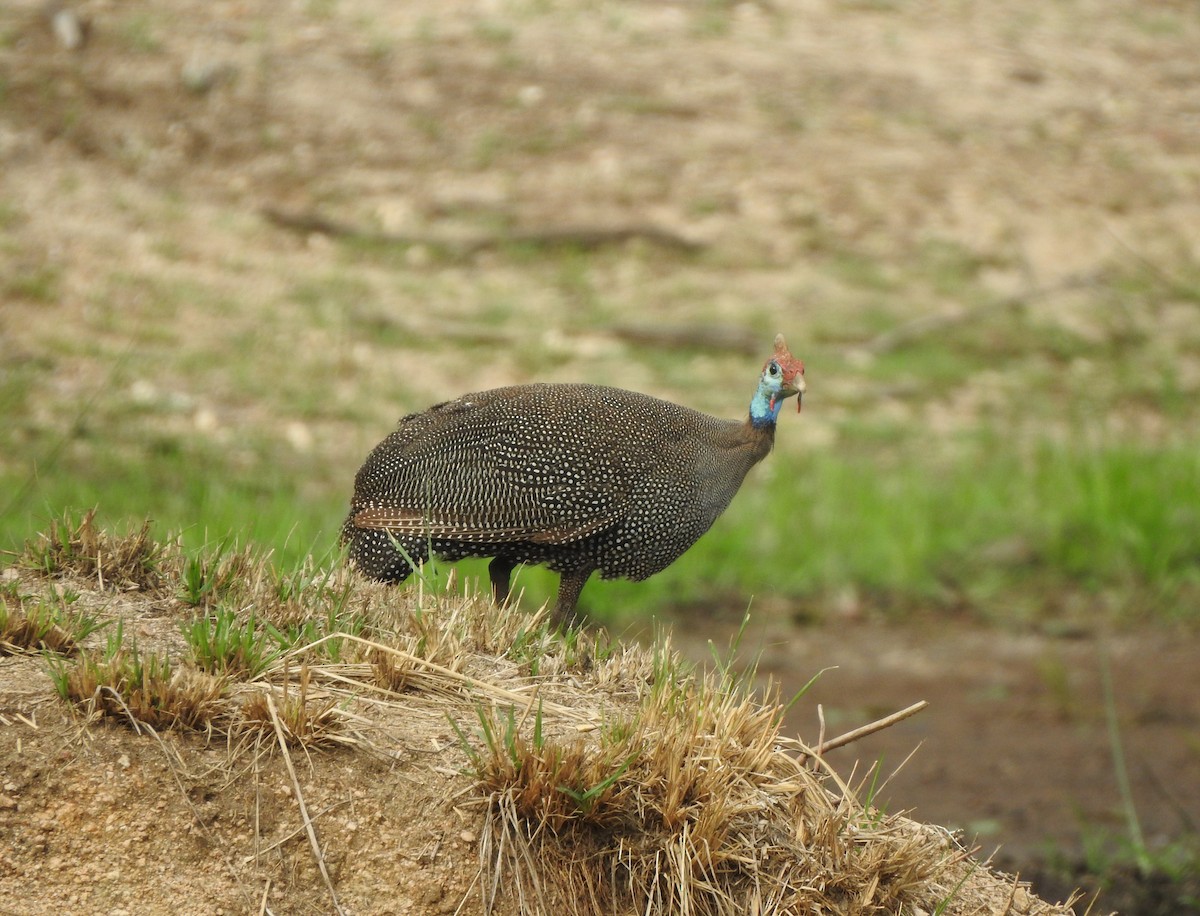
<point x="762" y="411"/>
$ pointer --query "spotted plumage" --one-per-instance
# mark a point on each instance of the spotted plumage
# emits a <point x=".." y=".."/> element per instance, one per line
<point x="582" y="478"/>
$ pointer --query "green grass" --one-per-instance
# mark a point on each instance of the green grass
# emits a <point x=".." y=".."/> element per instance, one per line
<point x="38" y="283"/>
<point x="139" y="33"/>
<point x="223" y="643"/>
<point x="987" y="529"/>
<point x="204" y="491"/>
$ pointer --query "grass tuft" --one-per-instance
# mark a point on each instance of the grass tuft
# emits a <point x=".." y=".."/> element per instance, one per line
<point x="77" y="547"/>
<point x="663" y="812"/>
<point x="210" y="575"/>
<point x="223" y="643"/>
<point x="305" y="718"/>
<point x="49" y="624"/>
<point x="550" y="784"/>
<point x="121" y="682"/>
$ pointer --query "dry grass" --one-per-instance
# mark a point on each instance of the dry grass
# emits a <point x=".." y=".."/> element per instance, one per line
<point x="141" y="689"/>
<point x="695" y="804"/>
<point x="303" y="716"/>
<point x="48" y="623"/>
<point x="79" y="549"/>
<point x="29" y="627"/>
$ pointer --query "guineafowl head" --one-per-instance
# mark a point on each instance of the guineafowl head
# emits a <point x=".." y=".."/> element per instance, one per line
<point x="782" y="376"/>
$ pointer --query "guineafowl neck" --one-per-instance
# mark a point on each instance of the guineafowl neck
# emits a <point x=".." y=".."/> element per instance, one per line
<point x="747" y="443"/>
<point x="734" y="448"/>
<point x="760" y="438"/>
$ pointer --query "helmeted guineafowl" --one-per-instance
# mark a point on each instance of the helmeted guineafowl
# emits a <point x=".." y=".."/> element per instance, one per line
<point x="582" y="478"/>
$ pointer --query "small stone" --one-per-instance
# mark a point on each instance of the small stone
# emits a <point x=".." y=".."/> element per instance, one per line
<point x="201" y="74"/>
<point x="529" y="96"/>
<point x="467" y="836"/>
<point x="68" y="28"/>
<point x="299" y="436"/>
<point x="418" y="256"/>
<point x="143" y="392"/>
<point x="205" y="420"/>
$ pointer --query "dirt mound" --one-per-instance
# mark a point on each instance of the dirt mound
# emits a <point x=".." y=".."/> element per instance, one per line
<point x="389" y="751"/>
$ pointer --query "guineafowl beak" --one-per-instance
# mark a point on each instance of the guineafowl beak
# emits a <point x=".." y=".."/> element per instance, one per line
<point x="793" y="383"/>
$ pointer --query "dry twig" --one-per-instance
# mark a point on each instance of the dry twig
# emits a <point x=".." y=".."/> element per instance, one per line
<point x="861" y="732"/>
<point x="465" y="246"/>
<point x="308" y="824"/>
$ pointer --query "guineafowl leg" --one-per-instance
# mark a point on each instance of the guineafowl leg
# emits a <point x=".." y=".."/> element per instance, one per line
<point x="499" y="571"/>
<point x="569" y="587"/>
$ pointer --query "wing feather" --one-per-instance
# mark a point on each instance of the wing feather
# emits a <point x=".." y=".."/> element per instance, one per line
<point x="400" y="520"/>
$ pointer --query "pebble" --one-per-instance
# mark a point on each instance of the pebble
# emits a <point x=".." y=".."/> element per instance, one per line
<point x="201" y="74"/>
<point x="67" y="28"/>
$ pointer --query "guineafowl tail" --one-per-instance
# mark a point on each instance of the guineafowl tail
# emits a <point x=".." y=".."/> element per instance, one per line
<point x="375" y="554"/>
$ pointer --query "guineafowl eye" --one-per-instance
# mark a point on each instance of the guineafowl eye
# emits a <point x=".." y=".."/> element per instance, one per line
<point x="774" y="370"/>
